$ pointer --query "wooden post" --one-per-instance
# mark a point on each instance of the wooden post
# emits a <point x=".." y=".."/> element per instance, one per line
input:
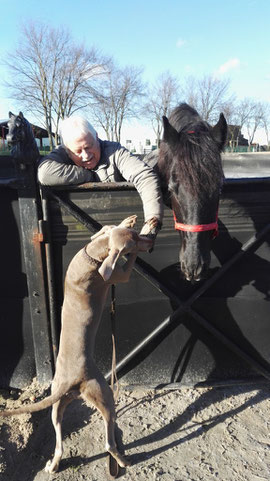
<point x="32" y="239"/>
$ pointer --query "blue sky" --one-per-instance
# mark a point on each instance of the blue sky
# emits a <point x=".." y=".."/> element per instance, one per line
<point x="198" y="37"/>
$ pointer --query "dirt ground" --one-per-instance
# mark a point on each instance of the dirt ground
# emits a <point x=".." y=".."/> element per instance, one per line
<point x="169" y="435"/>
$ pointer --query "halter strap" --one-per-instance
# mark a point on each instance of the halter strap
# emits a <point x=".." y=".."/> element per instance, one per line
<point x="197" y="227"/>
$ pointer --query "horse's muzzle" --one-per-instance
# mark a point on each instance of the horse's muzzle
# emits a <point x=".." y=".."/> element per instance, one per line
<point x="193" y="275"/>
<point x="194" y="270"/>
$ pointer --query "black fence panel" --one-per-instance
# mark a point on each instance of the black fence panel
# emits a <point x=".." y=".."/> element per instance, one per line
<point x="216" y="331"/>
<point x="16" y="342"/>
<point x="237" y="303"/>
<point x="26" y="349"/>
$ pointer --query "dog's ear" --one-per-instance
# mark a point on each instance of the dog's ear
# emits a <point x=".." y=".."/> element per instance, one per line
<point x="108" y="265"/>
<point x="102" y="231"/>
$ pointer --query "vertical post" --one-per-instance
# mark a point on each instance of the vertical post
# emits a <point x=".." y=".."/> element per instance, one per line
<point x="3" y="137"/>
<point x="32" y="238"/>
<point x="50" y="277"/>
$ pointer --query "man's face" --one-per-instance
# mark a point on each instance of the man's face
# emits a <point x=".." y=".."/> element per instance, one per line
<point x="84" y="151"/>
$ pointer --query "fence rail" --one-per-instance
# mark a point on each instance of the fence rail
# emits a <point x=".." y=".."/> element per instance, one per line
<point x="169" y="331"/>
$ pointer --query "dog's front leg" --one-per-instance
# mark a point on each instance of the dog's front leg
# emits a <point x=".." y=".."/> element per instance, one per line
<point x="122" y="273"/>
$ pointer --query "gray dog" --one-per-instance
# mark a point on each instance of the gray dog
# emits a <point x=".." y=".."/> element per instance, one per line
<point x="88" y="278"/>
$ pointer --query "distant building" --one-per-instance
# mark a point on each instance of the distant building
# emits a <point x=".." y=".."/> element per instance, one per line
<point x="141" y="147"/>
<point x="235" y="138"/>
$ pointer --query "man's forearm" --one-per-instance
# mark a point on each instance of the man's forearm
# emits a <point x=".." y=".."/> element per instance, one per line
<point x="51" y="172"/>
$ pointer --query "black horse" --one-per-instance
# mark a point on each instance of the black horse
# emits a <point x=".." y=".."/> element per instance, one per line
<point x="190" y="168"/>
<point x="20" y="136"/>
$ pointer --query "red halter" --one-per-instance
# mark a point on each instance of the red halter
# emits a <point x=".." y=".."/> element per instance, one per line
<point x="197" y="228"/>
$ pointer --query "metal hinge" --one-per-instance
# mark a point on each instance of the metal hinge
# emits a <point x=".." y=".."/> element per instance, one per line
<point x="41" y="235"/>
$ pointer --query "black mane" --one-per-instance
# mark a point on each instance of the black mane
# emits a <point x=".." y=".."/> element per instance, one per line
<point x="194" y="154"/>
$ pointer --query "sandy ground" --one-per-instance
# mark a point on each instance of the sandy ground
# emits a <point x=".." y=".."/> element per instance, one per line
<point x="169" y="435"/>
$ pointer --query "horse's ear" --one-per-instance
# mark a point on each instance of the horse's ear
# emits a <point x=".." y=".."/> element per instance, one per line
<point x="10" y="114"/>
<point x="21" y="115"/>
<point x="219" y="131"/>
<point x="170" y="135"/>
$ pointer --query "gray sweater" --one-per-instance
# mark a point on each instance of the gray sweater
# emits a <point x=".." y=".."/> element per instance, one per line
<point x="116" y="164"/>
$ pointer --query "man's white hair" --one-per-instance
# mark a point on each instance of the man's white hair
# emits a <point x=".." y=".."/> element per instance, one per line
<point x="72" y="128"/>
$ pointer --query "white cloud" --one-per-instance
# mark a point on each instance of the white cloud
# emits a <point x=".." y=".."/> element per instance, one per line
<point x="180" y="42"/>
<point x="229" y="65"/>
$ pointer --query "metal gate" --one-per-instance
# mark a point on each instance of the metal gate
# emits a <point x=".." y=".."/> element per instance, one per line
<point x="168" y="331"/>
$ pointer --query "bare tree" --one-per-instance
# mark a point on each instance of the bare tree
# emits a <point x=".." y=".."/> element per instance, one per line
<point x="208" y="95"/>
<point x="266" y="120"/>
<point x="255" y="121"/>
<point x="162" y="97"/>
<point x="116" y="99"/>
<point x="250" y="114"/>
<point x="50" y="76"/>
<point x="238" y="116"/>
<point x="190" y="92"/>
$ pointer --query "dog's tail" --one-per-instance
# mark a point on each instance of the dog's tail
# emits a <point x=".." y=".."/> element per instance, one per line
<point x="39" y="406"/>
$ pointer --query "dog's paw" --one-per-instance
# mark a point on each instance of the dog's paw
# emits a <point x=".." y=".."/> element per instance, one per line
<point x="151" y="227"/>
<point x="121" y="460"/>
<point x="129" y="222"/>
<point x="51" y="467"/>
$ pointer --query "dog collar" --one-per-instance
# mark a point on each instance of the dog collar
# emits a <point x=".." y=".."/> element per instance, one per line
<point x="90" y="258"/>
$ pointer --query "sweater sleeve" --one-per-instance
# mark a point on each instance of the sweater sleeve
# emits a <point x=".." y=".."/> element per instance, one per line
<point x="57" y="169"/>
<point x="145" y="181"/>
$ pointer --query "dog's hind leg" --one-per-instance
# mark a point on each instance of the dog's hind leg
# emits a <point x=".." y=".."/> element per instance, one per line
<point x="97" y="392"/>
<point x="57" y="416"/>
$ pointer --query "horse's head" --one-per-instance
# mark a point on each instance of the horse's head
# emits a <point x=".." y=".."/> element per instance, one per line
<point x="16" y="132"/>
<point x="20" y="136"/>
<point x="190" y="157"/>
<point x="190" y="221"/>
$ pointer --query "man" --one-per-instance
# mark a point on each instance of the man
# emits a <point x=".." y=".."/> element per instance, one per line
<point x="83" y="157"/>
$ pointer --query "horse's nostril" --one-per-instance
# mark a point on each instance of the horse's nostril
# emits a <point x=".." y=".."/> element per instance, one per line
<point x="198" y="275"/>
<point x="191" y="273"/>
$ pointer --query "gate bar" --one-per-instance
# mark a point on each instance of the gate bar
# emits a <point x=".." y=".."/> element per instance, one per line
<point x="75" y="211"/>
<point x="142" y="268"/>
<point x="50" y="276"/>
<point x="186" y="307"/>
